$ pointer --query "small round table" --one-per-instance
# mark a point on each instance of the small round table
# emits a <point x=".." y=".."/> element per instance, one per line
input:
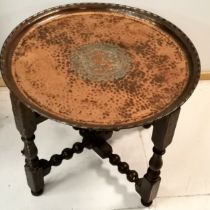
<point x="99" y="68"/>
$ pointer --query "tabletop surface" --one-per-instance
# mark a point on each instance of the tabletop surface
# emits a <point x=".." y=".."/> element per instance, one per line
<point x="98" y="68"/>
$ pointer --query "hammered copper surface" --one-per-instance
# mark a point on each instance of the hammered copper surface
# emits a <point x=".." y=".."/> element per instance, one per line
<point x="147" y="74"/>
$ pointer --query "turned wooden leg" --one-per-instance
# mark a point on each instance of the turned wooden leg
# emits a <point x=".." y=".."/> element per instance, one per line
<point x="163" y="132"/>
<point x="26" y="124"/>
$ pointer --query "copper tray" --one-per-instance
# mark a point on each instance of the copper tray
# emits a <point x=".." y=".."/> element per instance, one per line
<point x="101" y="66"/>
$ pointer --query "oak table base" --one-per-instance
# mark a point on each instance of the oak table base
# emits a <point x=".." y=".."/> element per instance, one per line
<point x="35" y="168"/>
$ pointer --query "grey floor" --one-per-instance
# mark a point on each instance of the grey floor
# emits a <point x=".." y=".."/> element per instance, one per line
<point x="88" y="183"/>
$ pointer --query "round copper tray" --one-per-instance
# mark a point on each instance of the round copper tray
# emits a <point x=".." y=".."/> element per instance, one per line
<point x="100" y="66"/>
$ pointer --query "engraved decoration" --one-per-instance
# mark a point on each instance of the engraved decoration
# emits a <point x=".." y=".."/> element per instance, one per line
<point x="100" y="62"/>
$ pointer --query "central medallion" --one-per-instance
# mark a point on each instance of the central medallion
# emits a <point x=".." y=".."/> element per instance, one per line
<point x="100" y="62"/>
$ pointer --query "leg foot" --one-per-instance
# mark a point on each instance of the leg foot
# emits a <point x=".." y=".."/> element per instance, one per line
<point x="146" y="204"/>
<point x="37" y="193"/>
<point x="35" y="179"/>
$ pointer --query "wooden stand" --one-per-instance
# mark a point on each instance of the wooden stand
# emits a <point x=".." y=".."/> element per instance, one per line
<point x="147" y="187"/>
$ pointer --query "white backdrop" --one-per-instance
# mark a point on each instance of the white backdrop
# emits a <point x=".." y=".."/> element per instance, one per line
<point x="192" y="16"/>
